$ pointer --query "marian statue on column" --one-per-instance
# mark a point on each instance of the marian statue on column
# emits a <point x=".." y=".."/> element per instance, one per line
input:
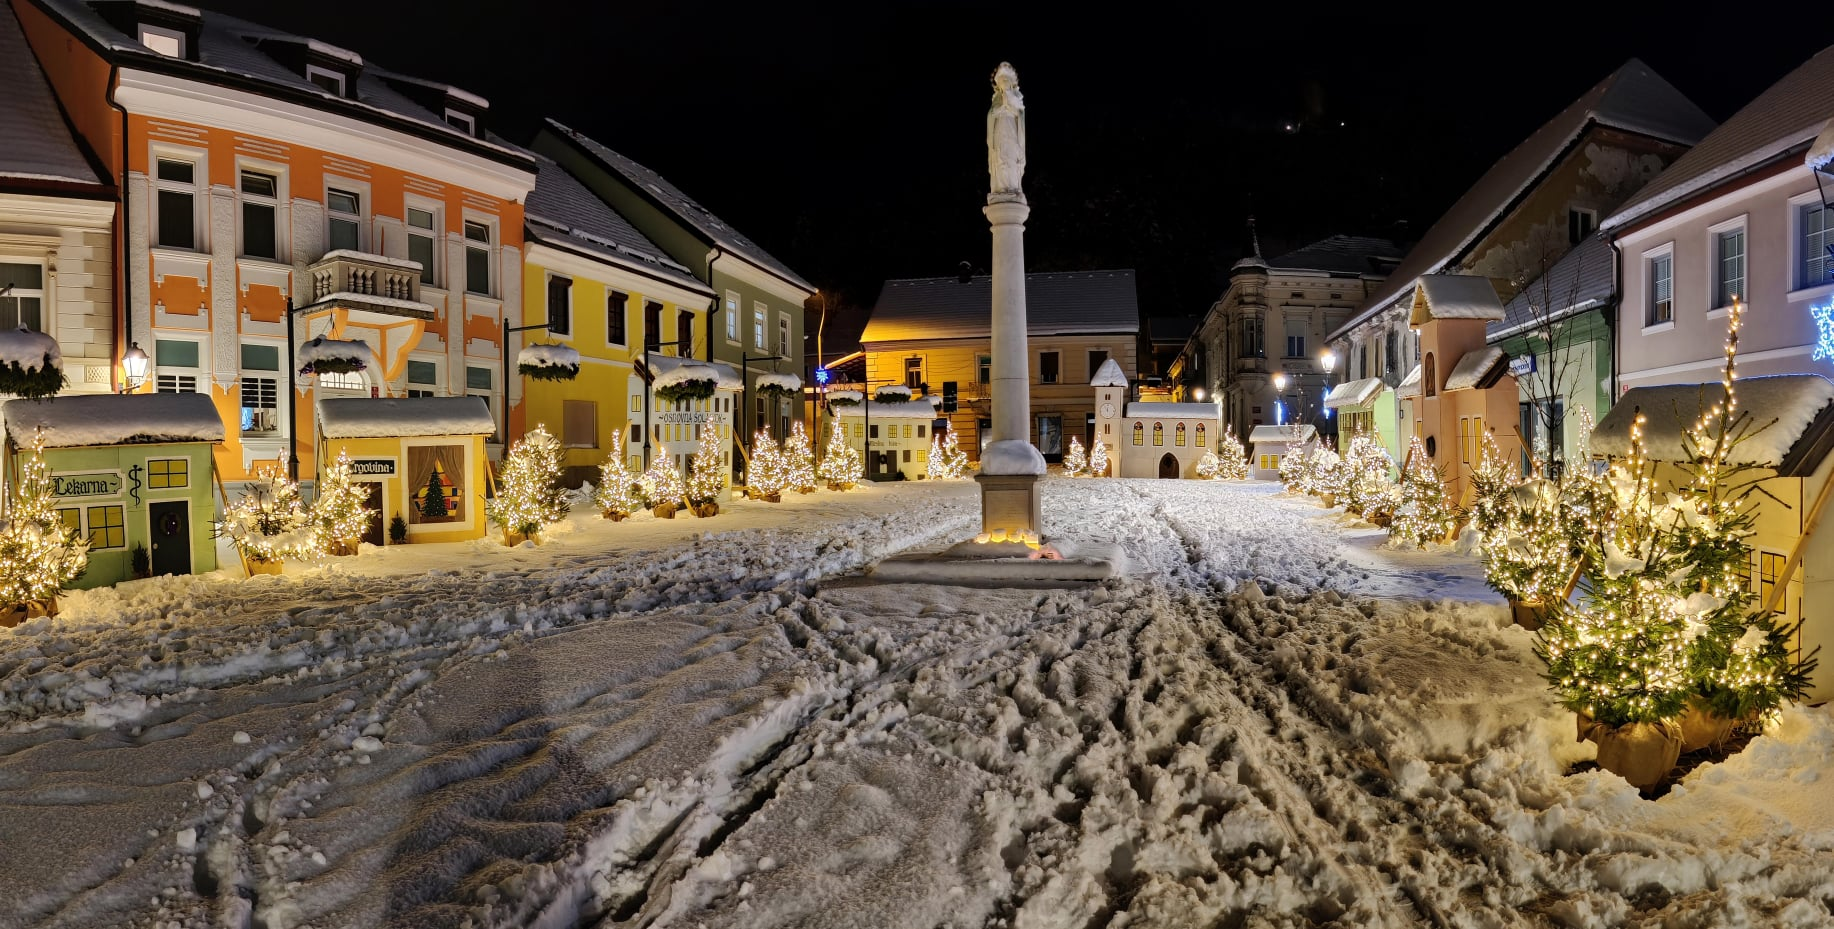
<point x="1006" y="132"/>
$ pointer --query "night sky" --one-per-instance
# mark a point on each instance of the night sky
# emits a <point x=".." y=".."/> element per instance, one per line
<point x="847" y="138"/>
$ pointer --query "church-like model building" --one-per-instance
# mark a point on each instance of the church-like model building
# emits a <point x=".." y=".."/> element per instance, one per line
<point x="1147" y="439"/>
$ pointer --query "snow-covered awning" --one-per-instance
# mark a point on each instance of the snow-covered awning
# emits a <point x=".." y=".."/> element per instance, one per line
<point x="1353" y="393"/>
<point x="372" y="418"/>
<point x="786" y="382"/>
<point x="1479" y="368"/>
<point x="1409" y="387"/>
<point x="667" y="369"/>
<point x="1799" y="409"/>
<point x="79" y="420"/>
<point x="321" y="355"/>
<point x="1148" y="409"/>
<point x="1282" y="435"/>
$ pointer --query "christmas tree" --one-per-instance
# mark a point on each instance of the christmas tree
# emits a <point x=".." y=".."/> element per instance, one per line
<point x="433" y="497"/>
<point x="768" y="474"/>
<point x="40" y="554"/>
<point x="707" y="472"/>
<point x="1529" y="552"/>
<point x="268" y="523"/>
<point x="1422" y="512"/>
<point x="1232" y="459"/>
<point x="617" y="495"/>
<point x="840" y="463"/>
<point x="1364" y="482"/>
<point x="947" y="460"/>
<point x="1074" y="461"/>
<point x="529" y="496"/>
<point x="1098" y="459"/>
<point x="662" y="483"/>
<point x="1492" y="484"/>
<point x="337" y="515"/>
<point x="1296" y="469"/>
<point x="1208" y="465"/>
<point x="799" y="459"/>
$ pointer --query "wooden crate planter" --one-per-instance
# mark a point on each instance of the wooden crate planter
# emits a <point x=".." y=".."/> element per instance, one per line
<point x="615" y="516"/>
<point x="1529" y="614"/>
<point x="15" y="613"/>
<point x="263" y="567"/>
<point x="513" y="539"/>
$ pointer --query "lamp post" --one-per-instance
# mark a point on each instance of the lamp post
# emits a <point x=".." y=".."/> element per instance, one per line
<point x="648" y="347"/>
<point x="745" y="361"/>
<point x="507" y="329"/>
<point x="1279" y="399"/>
<point x="1327" y="360"/>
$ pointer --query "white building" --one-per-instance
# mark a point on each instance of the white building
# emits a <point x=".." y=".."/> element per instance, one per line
<point x="893" y="437"/>
<point x="675" y="425"/>
<point x="1147" y="439"/>
<point x="1268" y="444"/>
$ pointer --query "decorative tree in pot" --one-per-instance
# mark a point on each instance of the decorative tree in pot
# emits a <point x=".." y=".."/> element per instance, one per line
<point x="268" y="523"/>
<point x="707" y="475"/>
<point x="529" y="497"/>
<point x="799" y="460"/>
<point x="337" y="515"/>
<point x="40" y="554"/>
<point x="840" y="466"/>
<point x="662" y="487"/>
<point x="767" y="474"/>
<point x="617" y="495"/>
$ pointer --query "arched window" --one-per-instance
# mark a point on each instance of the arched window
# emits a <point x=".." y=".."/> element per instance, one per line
<point x="1138" y="434"/>
<point x="1178" y="435"/>
<point x="1429" y="377"/>
<point x="1200" y="436"/>
<point x="1158" y="433"/>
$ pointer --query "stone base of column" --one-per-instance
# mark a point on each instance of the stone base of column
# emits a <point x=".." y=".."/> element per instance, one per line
<point x="1009" y="504"/>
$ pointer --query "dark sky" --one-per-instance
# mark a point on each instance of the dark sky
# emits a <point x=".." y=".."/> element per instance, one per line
<point x="847" y="138"/>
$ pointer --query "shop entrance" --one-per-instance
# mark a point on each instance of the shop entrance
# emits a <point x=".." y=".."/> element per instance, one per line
<point x="372" y="505"/>
<point x="170" y="525"/>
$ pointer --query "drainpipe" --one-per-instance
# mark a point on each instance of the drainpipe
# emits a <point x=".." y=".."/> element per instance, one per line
<point x="125" y="338"/>
<point x="1611" y="316"/>
<point x="714" y="307"/>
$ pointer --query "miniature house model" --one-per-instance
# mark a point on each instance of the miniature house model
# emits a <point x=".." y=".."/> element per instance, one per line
<point x="1462" y="388"/>
<point x="1147" y="439"/>
<point x="1268" y="444"/>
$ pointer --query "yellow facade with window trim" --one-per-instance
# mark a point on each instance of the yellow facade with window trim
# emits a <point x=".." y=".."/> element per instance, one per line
<point x="397" y="464"/>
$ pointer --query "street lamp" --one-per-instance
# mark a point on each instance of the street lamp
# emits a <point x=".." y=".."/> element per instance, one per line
<point x="1198" y="394"/>
<point x="1328" y="360"/>
<point x="134" y="363"/>
<point x="1279" y="401"/>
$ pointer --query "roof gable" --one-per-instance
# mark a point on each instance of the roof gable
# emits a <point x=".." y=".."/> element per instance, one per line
<point x="1056" y="303"/>
<point x="1454" y="296"/>
<point x="1583" y="278"/>
<point x="38" y="143"/>
<point x="561" y="211"/>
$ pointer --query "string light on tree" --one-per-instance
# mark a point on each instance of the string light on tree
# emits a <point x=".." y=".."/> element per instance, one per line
<point x="768" y="475"/>
<point x="529" y="497"/>
<point x="617" y="495"/>
<point x="1098" y="459"/>
<point x="40" y="554"/>
<point x="337" y="515"/>
<point x="1422" y="512"/>
<point x="799" y="460"/>
<point x="662" y="484"/>
<point x="268" y="522"/>
<point x="841" y="466"/>
<point x="1232" y="458"/>
<point x="1075" y="461"/>
<point x="1364" y="481"/>
<point x="947" y="460"/>
<point x="707" y="473"/>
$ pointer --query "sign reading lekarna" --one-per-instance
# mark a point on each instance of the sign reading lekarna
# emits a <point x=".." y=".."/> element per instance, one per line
<point x="91" y="484"/>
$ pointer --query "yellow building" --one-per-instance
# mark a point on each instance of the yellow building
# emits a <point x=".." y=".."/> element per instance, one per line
<point x="406" y="450"/>
<point x="934" y="336"/>
<point x="604" y="290"/>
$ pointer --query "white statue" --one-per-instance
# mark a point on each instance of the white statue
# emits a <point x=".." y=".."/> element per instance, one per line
<point x="1006" y="132"/>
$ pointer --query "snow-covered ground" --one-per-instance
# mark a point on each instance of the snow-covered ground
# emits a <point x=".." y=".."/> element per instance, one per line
<point x="1272" y="721"/>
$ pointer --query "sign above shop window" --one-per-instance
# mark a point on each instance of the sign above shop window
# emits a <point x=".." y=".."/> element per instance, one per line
<point x="90" y="484"/>
<point x="1522" y="364"/>
<point x="372" y="466"/>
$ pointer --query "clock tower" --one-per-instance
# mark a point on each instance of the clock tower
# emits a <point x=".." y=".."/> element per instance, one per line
<point x="1110" y="387"/>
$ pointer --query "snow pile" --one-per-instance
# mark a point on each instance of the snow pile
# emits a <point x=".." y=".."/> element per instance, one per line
<point x="29" y="350"/>
<point x="548" y="355"/>
<point x="336" y="355"/>
<point x="113" y="419"/>
<point x="1011" y="457"/>
<point x="1473" y="366"/>
<point x="673" y="371"/>
<point x="366" y="417"/>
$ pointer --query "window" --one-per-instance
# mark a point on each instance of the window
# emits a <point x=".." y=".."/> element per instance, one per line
<point x="436" y="484"/>
<point x="481" y="382"/>
<point x="1770" y="569"/>
<point x="1390" y="352"/>
<point x="579" y="426"/>
<point x="1178" y="435"/>
<point x="423" y="378"/>
<point x="983" y="366"/>
<point x="477" y="258"/>
<point x="684" y="333"/>
<point x="560" y="305"/>
<point x="260" y="215"/>
<point x="1295" y="338"/>
<point x="652" y="326"/>
<point x="757" y="324"/>
<point x="1200" y="437"/>
<point x="1817" y="232"/>
<point x="913" y="372"/>
<point x="874" y="430"/>
<point x="783" y="335"/>
<point x="421" y="236"/>
<point x="1047" y="367"/>
<point x="167" y="42"/>
<point x="1050" y="435"/>
<point x="463" y="122"/>
<point x="107" y="527"/>
<point x="1251" y="337"/>
<point x="23" y="304"/>
<point x="1096" y="357"/>
<point x="1661" y="290"/>
<point x="343" y="220"/>
<point x="176" y="203"/>
<point x="1728" y="266"/>
<point x="616" y="305"/>
<point x="1580" y="224"/>
<point x="1139" y="434"/>
<point x="1158" y="433"/>
<point x="1470" y="439"/>
<point x="327" y="80"/>
<point x="177" y="362"/>
<point x="1429" y="380"/>
<point x="732" y="316"/>
<point x="168" y="473"/>
<point x="260" y="388"/>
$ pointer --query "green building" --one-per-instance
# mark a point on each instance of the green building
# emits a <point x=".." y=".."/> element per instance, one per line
<point x="128" y="470"/>
<point x="1557" y="332"/>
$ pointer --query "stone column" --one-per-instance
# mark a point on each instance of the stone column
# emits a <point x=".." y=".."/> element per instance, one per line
<point x="1010" y="465"/>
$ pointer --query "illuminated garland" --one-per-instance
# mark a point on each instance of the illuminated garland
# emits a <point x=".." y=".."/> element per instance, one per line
<point x="337" y="515"/>
<point x="1208" y="465"/>
<point x="1364" y="483"/>
<point x="1232" y="458"/>
<point x="269" y="522"/>
<point x="769" y="472"/>
<point x="947" y="460"/>
<point x="1422" y="511"/>
<point x="40" y="554"/>
<point x="662" y="483"/>
<point x="617" y="495"/>
<point x="529" y="496"/>
<point x="1075" y="461"/>
<point x="799" y="459"/>
<point x="840" y="466"/>
<point x="707" y="471"/>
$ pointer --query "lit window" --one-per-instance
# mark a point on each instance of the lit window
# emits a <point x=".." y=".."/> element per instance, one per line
<point x="168" y="473"/>
<point x="260" y="388"/>
<point x="167" y="42"/>
<point x="107" y="527"/>
<point x="327" y="80"/>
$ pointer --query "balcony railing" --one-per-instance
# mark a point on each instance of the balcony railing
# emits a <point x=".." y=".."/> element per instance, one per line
<point x="388" y="285"/>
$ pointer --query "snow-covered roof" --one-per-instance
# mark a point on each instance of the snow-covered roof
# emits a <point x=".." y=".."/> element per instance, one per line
<point x="77" y="420"/>
<point x="1802" y="406"/>
<point x="1289" y="435"/>
<point x="1353" y="393"/>
<point x="1454" y="296"/>
<point x="683" y="208"/>
<point x="1791" y="112"/>
<point x="669" y="369"/>
<point x="1109" y="375"/>
<point x="1633" y="98"/>
<point x="1341" y="255"/>
<point x="904" y="409"/>
<point x="789" y="382"/>
<point x="1056" y="303"/>
<point x="1476" y="368"/>
<point x="1583" y="278"/>
<point x="562" y="212"/>
<point x="548" y="355"/>
<point x="373" y="418"/>
<point x="38" y="144"/>
<point x="1149" y="409"/>
<point x="1410" y="385"/>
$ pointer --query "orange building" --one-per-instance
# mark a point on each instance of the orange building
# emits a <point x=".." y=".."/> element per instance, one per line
<point x="1462" y="388"/>
<point x="260" y="167"/>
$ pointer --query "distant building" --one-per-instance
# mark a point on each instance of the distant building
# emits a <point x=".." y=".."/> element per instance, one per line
<point x="934" y="335"/>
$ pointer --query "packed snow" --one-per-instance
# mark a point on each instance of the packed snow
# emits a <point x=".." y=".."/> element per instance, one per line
<point x="1271" y="720"/>
<point x="789" y="382"/>
<point x="548" y="355"/>
<point x="74" y="420"/>
<point x="1012" y="456"/>
<point x="320" y="350"/>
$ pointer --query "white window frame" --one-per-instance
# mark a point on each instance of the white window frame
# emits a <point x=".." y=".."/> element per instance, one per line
<point x="360" y="217"/>
<point x="437" y="387"/>
<point x="437" y="235"/>
<point x="277" y="375"/>
<point x="493" y="226"/>
<point x="1797" y="292"/>
<point x="760" y="324"/>
<point x="201" y="380"/>
<point x="277" y="202"/>
<point x="470" y="126"/>
<point x="488" y="396"/>
<point x="784" y="335"/>
<point x="160" y="32"/>
<point x="20" y="293"/>
<point x="1739" y="224"/>
<point x="1648" y="270"/>
<point x="200" y="173"/>
<point x="734" y="305"/>
<point x="343" y="88"/>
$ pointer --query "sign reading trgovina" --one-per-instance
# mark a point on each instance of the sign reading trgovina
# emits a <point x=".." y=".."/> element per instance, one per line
<point x="382" y="466"/>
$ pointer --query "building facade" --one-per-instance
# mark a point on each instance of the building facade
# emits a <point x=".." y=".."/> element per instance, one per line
<point x="934" y="336"/>
<point x="1147" y="438"/>
<point x="1461" y="391"/>
<point x="274" y="184"/>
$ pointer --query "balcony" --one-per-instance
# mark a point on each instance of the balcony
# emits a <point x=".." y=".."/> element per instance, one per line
<point x="379" y="284"/>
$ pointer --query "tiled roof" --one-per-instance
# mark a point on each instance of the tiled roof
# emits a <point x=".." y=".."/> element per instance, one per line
<point x="1056" y="303"/>
<point x="1580" y="280"/>
<point x="37" y="142"/>
<point x="1341" y="254"/>
<point x="561" y="211"/>
<point x="1790" y="113"/>
<point x="1633" y="98"/>
<point x="684" y="207"/>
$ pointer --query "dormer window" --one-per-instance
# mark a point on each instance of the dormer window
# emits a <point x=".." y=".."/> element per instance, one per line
<point x="463" y="122"/>
<point x="167" y="42"/>
<point x="332" y="82"/>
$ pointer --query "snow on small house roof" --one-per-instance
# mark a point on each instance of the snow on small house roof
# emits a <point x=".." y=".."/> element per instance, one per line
<point x="38" y="143"/>
<point x="1633" y="98"/>
<point x="1410" y="385"/>
<point x="669" y="369"/>
<point x="77" y="420"/>
<point x="1109" y="375"/>
<point x="1477" y="368"/>
<point x="1353" y="393"/>
<point x="1289" y="435"/>
<point x="1454" y="296"/>
<point x="1056" y="303"/>
<point x="1150" y="409"/>
<point x="903" y="409"/>
<point x="373" y="418"/>
<point x="1791" y="112"/>
<point x="1801" y="405"/>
